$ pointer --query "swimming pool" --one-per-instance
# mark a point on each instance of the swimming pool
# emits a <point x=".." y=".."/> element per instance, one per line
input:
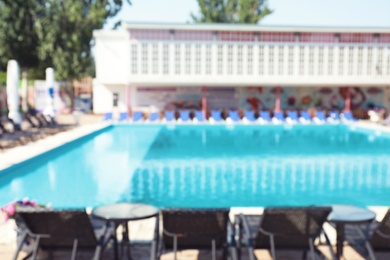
<point x="210" y="166"/>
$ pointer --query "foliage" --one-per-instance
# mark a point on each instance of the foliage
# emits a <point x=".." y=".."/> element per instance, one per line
<point x="231" y="11"/>
<point x="53" y="33"/>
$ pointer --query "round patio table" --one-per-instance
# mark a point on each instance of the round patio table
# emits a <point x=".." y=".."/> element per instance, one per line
<point x="120" y="214"/>
<point x="345" y="214"/>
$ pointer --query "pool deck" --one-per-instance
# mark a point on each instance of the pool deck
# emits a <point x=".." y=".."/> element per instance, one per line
<point x="142" y="231"/>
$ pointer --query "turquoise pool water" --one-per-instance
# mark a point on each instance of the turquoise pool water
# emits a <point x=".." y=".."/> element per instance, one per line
<point x="210" y="166"/>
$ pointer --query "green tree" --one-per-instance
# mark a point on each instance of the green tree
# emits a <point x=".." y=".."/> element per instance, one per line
<point x="18" y="37"/>
<point x="53" y="33"/>
<point x="231" y="11"/>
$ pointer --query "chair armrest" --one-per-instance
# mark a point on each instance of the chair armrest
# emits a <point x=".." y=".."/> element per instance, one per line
<point x="243" y="223"/>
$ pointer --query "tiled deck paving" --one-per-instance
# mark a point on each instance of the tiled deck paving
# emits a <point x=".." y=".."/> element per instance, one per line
<point x="141" y="231"/>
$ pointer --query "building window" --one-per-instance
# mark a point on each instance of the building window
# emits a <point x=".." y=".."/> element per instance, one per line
<point x="330" y="60"/>
<point x="341" y="61"/>
<point x="301" y="60"/>
<point x="220" y="59"/>
<point x="198" y="59"/>
<point x="134" y="59"/>
<point x="239" y="59"/>
<point x="379" y="63"/>
<point x="360" y="61"/>
<point x="388" y="61"/>
<point x="166" y="59"/>
<point x="188" y="59"/>
<point x="155" y="58"/>
<point x="311" y="60"/>
<point x="249" y="56"/>
<point x="177" y="58"/>
<point x="321" y="60"/>
<point x="261" y="60"/>
<point x="350" y="60"/>
<point x="145" y="62"/>
<point x="271" y="60"/>
<point x="281" y="60"/>
<point x="208" y="59"/>
<point x="290" y="60"/>
<point x="230" y="60"/>
<point x="369" y="60"/>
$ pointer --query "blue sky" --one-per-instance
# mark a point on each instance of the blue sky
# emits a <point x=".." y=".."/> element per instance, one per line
<point x="370" y="13"/>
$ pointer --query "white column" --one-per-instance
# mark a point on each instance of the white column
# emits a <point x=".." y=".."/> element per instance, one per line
<point x="364" y="67"/>
<point x="49" y="110"/>
<point x="13" y="75"/>
<point x="355" y="61"/>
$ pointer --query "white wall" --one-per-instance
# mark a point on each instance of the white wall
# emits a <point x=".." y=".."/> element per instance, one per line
<point x="103" y="97"/>
<point x="111" y="57"/>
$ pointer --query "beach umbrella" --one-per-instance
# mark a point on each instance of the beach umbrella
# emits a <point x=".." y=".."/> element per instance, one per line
<point x="13" y="75"/>
<point x="49" y="110"/>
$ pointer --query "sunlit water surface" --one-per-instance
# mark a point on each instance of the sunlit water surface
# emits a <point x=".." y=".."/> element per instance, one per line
<point x="210" y="166"/>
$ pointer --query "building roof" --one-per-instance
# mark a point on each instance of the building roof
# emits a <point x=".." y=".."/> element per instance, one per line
<point x="251" y="27"/>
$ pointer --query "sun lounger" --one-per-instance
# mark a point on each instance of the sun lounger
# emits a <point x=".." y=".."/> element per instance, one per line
<point x="348" y="117"/>
<point x="305" y="117"/>
<point x="198" y="116"/>
<point x="233" y="116"/>
<point x="169" y="116"/>
<point x="198" y="229"/>
<point x="123" y="116"/>
<point x="281" y="228"/>
<point x="265" y="117"/>
<point x="184" y="116"/>
<point x="334" y="117"/>
<point x="292" y="117"/>
<point x="107" y="116"/>
<point x="61" y="231"/>
<point x="278" y="117"/>
<point x="249" y="116"/>
<point x="153" y="116"/>
<point x="319" y="117"/>
<point x="137" y="116"/>
<point x="215" y="116"/>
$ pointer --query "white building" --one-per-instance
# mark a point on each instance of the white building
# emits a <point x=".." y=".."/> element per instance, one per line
<point x="168" y="66"/>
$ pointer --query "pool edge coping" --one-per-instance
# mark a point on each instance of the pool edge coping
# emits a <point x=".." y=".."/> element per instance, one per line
<point x="21" y="155"/>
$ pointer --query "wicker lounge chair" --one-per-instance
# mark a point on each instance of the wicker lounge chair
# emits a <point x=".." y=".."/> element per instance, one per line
<point x="370" y="239"/>
<point x="284" y="228"/>
<point x="61" y="231"/>
<point x="197" y="229"/>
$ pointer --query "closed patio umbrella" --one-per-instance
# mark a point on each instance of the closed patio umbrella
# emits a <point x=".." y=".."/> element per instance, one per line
<point x="13" y="74"/>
